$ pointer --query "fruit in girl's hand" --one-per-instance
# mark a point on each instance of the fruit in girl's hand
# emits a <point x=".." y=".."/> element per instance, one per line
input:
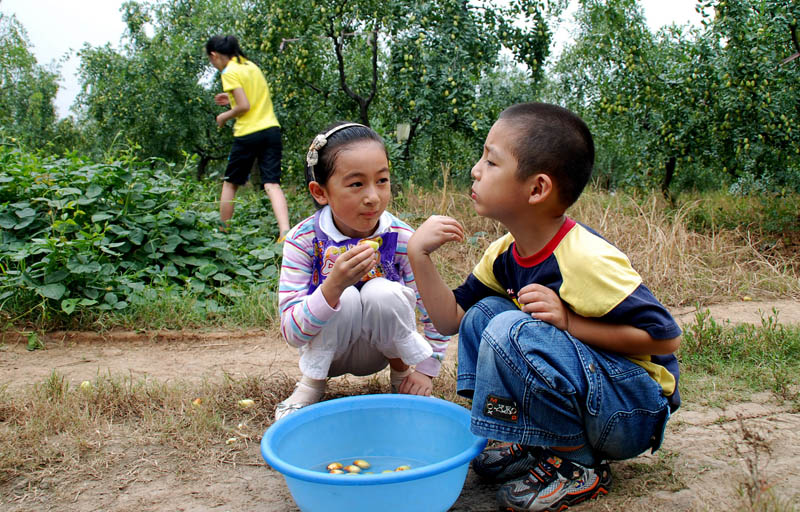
<point x="371" y="243"/>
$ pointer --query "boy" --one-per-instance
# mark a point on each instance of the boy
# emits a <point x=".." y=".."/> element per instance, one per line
<point x="563" y="350"/>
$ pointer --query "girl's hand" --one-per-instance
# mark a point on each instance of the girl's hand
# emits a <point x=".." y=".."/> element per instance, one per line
<point x="348" y="270"/>
<point x="435" y="232"/>
<point x="544" y="304"/>
<point x="417" y="384"/>
<point x="223" y="118"/>
<point x="222" y="99"/>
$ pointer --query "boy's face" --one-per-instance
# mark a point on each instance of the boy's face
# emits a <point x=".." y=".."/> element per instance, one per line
<point x="497" y="192"/>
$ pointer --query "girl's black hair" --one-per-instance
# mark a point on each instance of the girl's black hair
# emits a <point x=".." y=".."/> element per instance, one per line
<point x="338" y="141"/>
<point x="225" y="45"/>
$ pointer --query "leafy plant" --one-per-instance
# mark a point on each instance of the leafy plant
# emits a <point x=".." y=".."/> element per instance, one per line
<point x="83" y="236"/>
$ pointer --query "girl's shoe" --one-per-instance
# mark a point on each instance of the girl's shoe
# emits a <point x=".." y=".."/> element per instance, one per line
<point x="554" y="484"/>
<point x="302" y="396"/>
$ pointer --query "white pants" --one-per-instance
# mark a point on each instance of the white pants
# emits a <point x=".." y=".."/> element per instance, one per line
<point x="372" y="325"/>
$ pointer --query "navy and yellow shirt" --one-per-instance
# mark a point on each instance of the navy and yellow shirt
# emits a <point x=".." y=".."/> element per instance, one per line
<point x="594" y="279"/>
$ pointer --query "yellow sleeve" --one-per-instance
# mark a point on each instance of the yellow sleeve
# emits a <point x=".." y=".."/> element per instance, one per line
<point x="483" y="271"/>
<point x="596" y="275"/>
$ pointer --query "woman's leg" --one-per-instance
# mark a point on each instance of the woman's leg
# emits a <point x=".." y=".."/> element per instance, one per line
<point x="226" y="201"/>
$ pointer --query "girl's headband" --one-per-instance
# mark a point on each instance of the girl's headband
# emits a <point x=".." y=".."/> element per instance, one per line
<point x="312" y="157"/>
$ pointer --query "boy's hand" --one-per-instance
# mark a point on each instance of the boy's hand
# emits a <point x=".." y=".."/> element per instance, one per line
<point x="435" y="232"/>
<point x="544" y="304"/>
<point x="417" y="384"/>
<point x="348" y="269"/>
<point x="222" y="98"/>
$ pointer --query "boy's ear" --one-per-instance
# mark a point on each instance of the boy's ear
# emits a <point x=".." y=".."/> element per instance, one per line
<point x="318" y="193"/>
<point x="541" y="187"/>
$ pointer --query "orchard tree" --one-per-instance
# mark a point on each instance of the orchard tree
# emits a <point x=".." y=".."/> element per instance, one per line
<point x="692" y="107"/>
<point x="27" y="90"/>
<point x="149" y="95"/>
<point x="324" y="60"/>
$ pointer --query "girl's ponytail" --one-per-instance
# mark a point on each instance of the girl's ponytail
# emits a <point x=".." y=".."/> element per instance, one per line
<point x="225" y="45"/>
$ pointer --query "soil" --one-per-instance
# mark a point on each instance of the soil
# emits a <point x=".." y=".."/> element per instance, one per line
<point x="708" y="472"/>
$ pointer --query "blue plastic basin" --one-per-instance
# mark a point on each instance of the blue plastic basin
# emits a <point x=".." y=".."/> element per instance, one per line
<point x="431" y="434"/>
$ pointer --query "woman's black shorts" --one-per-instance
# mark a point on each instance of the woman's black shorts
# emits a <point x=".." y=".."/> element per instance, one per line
<point x="265" y="145"/>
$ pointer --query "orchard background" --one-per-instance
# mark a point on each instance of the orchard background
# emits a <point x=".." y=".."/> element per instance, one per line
<point x="113" y="210"/>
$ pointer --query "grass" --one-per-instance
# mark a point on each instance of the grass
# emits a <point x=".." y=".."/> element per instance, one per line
<point x="723" y="362"/>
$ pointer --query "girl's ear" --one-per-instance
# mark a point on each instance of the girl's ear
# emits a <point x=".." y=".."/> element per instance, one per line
<point x="318" y="192"/>
<point x="541" y="187"/>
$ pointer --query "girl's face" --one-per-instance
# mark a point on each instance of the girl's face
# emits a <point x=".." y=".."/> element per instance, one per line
<point x="218" y="60"/>
<point x="358" y="190"/>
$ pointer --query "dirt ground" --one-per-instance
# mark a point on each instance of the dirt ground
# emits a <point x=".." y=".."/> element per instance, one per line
<point x="708" y="471"/>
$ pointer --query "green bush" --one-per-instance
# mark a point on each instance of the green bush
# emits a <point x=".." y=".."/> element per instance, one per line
<point x="91" y="237"/>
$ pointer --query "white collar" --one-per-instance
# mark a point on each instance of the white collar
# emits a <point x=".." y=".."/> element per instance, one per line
<point x="330" y="229"/>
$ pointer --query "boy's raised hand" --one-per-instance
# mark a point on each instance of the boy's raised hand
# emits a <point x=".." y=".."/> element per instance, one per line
<point x="436" y="231"/>
<point x="348" y="269"/>
<point x="544" y="304"/>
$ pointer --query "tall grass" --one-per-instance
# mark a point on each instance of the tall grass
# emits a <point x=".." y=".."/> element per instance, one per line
<point x="681" y="266"/>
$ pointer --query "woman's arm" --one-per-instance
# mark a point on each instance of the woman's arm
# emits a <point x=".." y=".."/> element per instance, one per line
<point x="242" y="106"/>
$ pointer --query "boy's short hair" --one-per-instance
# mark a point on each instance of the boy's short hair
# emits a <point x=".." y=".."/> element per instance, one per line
<point x="554" y="141"/>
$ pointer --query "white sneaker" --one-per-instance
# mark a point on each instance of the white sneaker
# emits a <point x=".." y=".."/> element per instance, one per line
<point x="285" y="408"/>
<point x="302" y="396"/>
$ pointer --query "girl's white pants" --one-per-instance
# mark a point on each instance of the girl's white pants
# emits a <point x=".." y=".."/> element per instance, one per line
<point x="371" y="326"/>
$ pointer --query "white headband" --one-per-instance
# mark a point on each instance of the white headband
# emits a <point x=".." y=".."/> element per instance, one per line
<point x="312" y="157"/>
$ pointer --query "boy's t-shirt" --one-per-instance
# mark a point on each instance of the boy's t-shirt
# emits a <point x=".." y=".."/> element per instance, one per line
<point x="594" y="278"/>
<point x="249" y="77"/>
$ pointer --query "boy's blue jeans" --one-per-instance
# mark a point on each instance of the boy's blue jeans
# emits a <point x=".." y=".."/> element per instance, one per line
<point x="536" y="385"/>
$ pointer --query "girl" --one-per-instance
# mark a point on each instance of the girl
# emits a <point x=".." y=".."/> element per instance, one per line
<point x="256" y="132"/>
<point x="347" y="292"/>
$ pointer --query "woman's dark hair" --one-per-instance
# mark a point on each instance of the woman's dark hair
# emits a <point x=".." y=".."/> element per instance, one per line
<point x="225" y="45"/>
<point x="335" y="143"/>
<point x="554" y="141"/>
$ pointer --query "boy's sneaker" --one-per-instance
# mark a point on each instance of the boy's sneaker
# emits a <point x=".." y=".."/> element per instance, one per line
<point x="504" y="462"/>
<point x="554" y="484"/>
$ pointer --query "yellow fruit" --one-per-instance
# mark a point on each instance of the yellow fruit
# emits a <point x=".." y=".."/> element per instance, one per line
<point x="246" y="403"/>
<point x="197" y="402"/>
<point x="371" y="243"/>
<point x="86" y="385"/>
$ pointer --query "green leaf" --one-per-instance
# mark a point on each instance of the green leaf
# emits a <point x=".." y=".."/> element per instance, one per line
<point x="25" y="212"/>
<point x="99" y="217"/>
<point x="69" y="305"/>
<point x="34" y="343"/>
<point x="52" y="291"/>
<point x="230" y="292"/>
<point x="207" y="270"/>
<point x="56" y="277"/>
<point x="7" y="222"/>
<point x="94" y="190"/>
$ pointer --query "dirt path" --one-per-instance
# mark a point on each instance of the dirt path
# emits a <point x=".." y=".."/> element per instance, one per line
<point x="698" y="443"/>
